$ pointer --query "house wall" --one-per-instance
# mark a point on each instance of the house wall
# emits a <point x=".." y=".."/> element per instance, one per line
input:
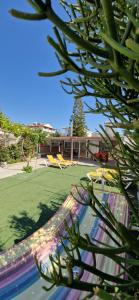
<point x="8" y="139"/>
<point x="94" y="149"/>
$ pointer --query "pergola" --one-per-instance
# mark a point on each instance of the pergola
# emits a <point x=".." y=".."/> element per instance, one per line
<point x="94" y="140"/>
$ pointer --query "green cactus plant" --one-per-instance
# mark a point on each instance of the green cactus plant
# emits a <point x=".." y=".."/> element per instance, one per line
<point x="104" y="35"/>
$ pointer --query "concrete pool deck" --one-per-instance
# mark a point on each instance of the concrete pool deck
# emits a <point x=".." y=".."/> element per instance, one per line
<point x="16" y="168"/>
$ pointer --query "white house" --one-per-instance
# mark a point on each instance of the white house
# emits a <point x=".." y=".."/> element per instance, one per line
<point x="44" y="127"/>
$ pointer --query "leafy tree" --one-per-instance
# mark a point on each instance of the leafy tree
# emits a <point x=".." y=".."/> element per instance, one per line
<point x="5" y="123"/>
<point x="77" y="120"/>
<point x="56" y="134"/>
<point x="29" y="140"/>
<point x="99" y="43"/>
<point x="8" y="126"/>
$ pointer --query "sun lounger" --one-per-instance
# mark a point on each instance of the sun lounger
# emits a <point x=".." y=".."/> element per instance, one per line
<point x="110" y="174"/>
<point x="103" y="175"/>
<point x="53" y="162"/>
<point x="60" y="157"/>
<point x="107" y="171"/>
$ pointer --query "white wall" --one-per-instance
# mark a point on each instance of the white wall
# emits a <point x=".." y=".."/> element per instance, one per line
<point x="94" y="149"/>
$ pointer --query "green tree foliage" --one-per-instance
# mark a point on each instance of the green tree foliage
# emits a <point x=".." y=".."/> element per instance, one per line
<point x="28" y="144"/>
<point x="99" y="44"/>
<point x="56" y="134"/>
<point x="77" y="120"/>
<point x="8" y="126"/>
<point x="30" y="140"/>
<point x="5" y="123"/>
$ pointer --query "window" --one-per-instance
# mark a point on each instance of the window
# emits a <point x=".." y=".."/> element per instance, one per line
<point x="67" y="145"/>
<point x="76" y="145"/>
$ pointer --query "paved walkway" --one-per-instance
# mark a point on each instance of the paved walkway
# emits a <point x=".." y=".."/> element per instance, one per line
<point x="13" y="169"/>
<point x="16" y="168"/>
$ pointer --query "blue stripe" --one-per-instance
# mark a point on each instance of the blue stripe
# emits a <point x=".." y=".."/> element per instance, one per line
<point x="60" y="291"/>
<point x="30" y="277"/>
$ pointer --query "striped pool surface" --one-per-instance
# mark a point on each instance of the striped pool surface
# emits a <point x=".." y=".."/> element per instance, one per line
<point x="17" y="267"/>
<point x="19" y="277"/>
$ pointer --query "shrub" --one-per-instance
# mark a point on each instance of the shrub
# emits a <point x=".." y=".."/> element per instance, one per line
<point x="27" y="169"/>
<point x="14" y="153"/>
<point x="4" y="154"/>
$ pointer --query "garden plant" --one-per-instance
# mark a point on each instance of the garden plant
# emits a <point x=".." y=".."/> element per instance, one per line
<point x="98" y="41"/>
<point x="27" y="145"/>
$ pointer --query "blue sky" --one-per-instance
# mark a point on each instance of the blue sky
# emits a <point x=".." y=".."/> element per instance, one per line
<point x="24" y="96"/>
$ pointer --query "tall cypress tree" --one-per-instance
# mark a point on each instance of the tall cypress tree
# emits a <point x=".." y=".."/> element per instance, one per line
<point x="78" y="118"/>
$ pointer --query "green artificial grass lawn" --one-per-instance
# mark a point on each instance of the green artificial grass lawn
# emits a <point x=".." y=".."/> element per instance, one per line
<point x="28" y="200"/>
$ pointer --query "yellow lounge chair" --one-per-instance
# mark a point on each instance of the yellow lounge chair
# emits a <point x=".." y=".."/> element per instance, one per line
<point x="107" y="171"/>
<point x="95" y="175"/>
<point x="103" y="175"/>
<point x="71" y="162"/>
<point x="53" y="162"/>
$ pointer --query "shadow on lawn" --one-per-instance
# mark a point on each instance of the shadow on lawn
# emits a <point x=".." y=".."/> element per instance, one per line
<point x="24" y="225"/>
